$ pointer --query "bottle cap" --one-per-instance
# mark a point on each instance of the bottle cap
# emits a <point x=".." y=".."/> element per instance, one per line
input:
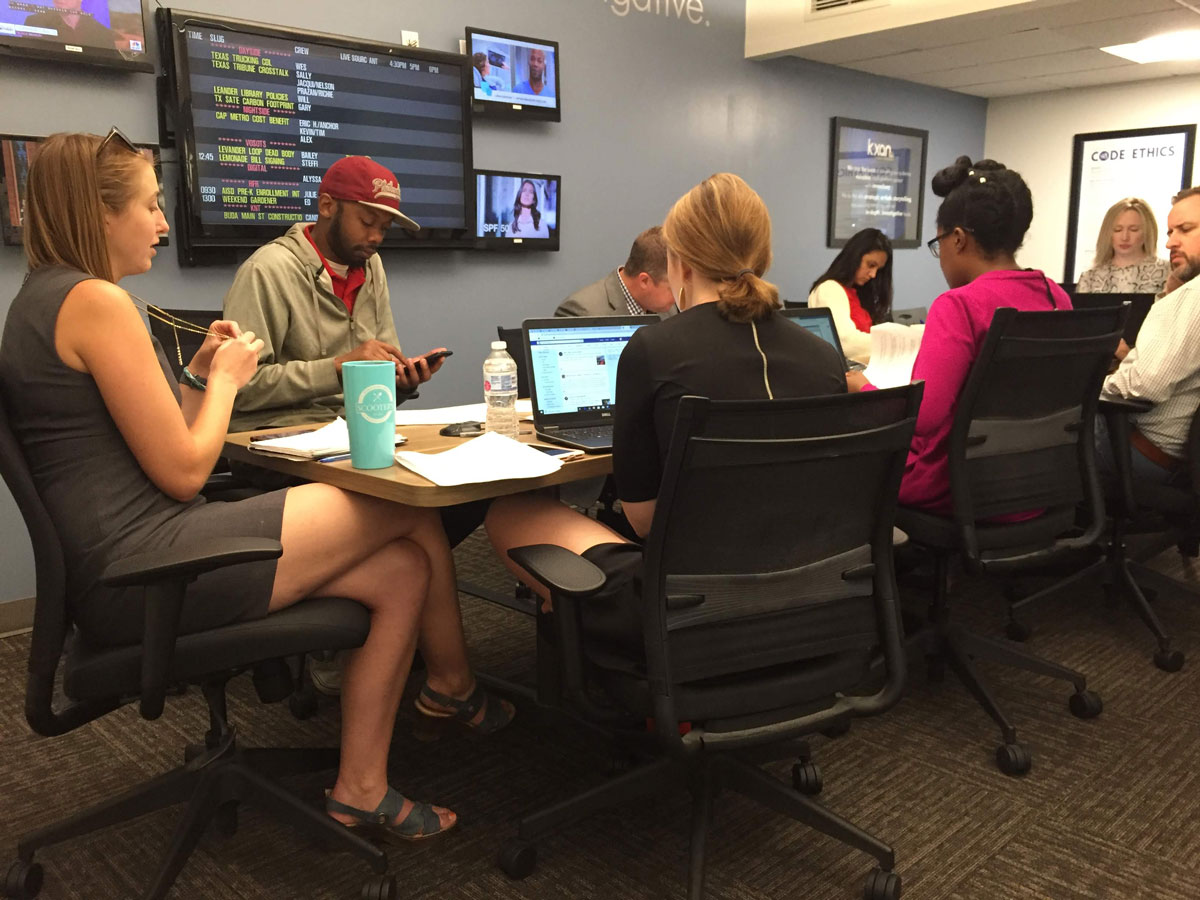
<point x="499" y="345"/>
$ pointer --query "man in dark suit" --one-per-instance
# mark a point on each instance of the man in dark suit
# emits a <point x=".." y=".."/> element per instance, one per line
<point x="635" y="289"/>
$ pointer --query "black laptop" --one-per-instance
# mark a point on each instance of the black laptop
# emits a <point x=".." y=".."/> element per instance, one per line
<point x="819" y="320"/>
<point x="572" y="365"/>
<point x="1139" y="307"/>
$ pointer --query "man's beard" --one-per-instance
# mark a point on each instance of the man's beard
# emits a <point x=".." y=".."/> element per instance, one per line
<point x="1189" y="270"/>
<point x="337" y="240"/>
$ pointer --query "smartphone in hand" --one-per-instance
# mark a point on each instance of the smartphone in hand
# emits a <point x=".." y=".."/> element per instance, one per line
<point x="434" y="356"/>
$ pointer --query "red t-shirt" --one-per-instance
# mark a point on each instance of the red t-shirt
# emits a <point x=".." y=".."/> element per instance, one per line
<point x="345" y="289"/>
<point x="860" y="317"/>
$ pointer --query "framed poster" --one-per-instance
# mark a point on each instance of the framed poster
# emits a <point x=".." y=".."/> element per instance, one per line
<point x="876" y="180"/>
<point x="1107" y="166"/>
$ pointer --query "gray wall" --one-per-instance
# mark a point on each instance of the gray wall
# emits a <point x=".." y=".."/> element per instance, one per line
<point x="652" y="105"/>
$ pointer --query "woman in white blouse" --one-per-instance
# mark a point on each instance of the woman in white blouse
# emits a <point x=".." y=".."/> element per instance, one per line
<point x="857" y="289"/>
<point x="1125" y="253"/>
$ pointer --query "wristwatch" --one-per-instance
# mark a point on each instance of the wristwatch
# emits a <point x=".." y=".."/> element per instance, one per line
<point x="195" y="382"/>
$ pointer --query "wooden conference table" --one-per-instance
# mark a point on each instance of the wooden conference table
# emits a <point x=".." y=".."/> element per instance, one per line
<point x="400" y="485"/>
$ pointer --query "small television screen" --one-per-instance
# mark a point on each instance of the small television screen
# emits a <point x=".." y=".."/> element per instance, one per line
<point x="514" y="76"/>
<point x="263" y="111"/>
<point x="98" y="32"/>
<point x="516" y="211"/>
<point x="17" y="153"/>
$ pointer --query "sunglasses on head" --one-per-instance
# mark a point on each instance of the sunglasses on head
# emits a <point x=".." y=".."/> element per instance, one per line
<point x="116" y="134"/>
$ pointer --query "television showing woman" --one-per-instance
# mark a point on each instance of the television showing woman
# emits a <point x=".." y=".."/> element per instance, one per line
<point x="857" y="289"/>
<point x="527" y="220"/>
<point x="1126" y="260"/>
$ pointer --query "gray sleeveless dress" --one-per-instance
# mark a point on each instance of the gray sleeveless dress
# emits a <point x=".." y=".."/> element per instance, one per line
<point x="103" y="505"/>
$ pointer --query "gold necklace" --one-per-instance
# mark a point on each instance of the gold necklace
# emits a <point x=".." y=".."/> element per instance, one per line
<point x="177" y="324"/>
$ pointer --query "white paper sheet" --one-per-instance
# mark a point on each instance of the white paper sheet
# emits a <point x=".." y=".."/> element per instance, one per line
<point x="448" y="415"/>
<point x="328" y="440"/>
<point x="893" y="351"/>
<point x="490" y="457"/>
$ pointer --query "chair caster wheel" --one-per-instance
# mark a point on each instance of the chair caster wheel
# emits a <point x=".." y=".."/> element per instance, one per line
<point x="935" y="669"/>
<point x="382" y="887"/>
<point x="1013" y="759"/>
<point x="517" y="860"/>
<point x="303" y="704"/>
<point x="882" y="885"/>
<point x="1169" y="660"/>
<point x="23" y="881"/>
<point x="1085" y="704"/>
<point x="1017" y="631"/>
<point x="837" y="731"/>
<point x="806" y="778"/>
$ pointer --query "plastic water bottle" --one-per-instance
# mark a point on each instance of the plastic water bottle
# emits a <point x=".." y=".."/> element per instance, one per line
<point x="500" y="390"/>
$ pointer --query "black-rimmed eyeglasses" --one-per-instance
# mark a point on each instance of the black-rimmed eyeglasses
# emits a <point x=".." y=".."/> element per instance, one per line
<point x="935" y="243"/>
<point x="116" y="134"/>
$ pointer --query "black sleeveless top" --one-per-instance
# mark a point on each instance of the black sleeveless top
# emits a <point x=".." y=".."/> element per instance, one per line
<point x="102" y="503"/>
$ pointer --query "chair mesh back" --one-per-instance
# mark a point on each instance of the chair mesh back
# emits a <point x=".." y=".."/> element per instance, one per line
<point x="51" y="618"/>
<point x="769" y="519"/>
<point x="516" y="349"/>
<point x="188" y="341"/>
<point x="1023" y="427"/>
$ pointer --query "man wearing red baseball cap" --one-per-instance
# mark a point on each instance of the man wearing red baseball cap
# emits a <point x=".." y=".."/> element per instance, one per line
<point x="318" y="297"/>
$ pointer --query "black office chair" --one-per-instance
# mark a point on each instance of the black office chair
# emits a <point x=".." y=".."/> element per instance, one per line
<point x="768" y="590"/>
<point x="516" y="349"/>
<point x="1021" y="440"/>
<point x="218" y="774"/>
<point x="1137" y="507"/>
<point x="795" y="304"/>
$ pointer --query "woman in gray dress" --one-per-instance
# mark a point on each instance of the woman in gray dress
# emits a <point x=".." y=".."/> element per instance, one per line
<point x="119" y="452"/>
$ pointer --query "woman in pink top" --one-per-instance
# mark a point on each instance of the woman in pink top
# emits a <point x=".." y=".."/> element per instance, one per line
<point x="981" y="223"/>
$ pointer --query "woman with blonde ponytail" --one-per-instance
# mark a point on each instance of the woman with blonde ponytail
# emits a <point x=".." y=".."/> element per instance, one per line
<point x="729" y="342"/>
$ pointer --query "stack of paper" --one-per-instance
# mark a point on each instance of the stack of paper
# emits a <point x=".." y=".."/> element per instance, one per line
<point x="328" y="440"/>
<point x="448" y="415"/>
<point x="893" y="351"/>
<point x="490" y="457"/>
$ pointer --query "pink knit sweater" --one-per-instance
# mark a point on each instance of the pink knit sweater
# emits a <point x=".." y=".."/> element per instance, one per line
<point x="954" y="333"/>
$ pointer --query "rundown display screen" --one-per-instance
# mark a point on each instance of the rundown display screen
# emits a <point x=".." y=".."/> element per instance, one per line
<point x="267" y="113"/>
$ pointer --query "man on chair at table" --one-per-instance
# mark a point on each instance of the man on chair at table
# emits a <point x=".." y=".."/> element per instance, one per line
<point x="1164" y="367"/>
<point x="318" y="297"/>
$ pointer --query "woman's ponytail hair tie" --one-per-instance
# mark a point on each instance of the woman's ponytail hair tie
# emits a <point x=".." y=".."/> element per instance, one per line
<point x="742" y="273"/>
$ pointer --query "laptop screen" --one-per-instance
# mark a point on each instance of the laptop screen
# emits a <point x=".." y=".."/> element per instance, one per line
<point x="819" y="321"/>
<point x="574" y="368"/>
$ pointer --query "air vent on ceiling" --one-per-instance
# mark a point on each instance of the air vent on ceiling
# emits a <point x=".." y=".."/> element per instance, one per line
<point x="834" y="7"/>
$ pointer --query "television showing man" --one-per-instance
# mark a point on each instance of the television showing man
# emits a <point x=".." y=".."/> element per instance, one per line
<point x="637" y="288"/>
<point x="536" y="83"/>
<point x="1164" y="367"/>
<point x="318" y="297"/>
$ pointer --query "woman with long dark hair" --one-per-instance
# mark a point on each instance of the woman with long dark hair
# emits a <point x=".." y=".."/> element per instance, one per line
<point x="857" y="289"/>
<point x="527" y="218"/>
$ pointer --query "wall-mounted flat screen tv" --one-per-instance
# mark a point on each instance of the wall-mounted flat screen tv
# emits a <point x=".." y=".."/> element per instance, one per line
<point x="261" y="112"/>
<point x="96" y="32"/>
<point x="17" y="153"/>
<point x="516" y="211"/>
<point x="514" y="76"/>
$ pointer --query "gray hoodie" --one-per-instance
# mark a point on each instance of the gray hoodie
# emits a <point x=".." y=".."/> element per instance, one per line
<point x="284" y="295"/>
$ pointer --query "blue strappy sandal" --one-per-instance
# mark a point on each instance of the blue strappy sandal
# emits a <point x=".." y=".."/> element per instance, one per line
<point x="461" y="712"/>
<point x="420" y="823"/>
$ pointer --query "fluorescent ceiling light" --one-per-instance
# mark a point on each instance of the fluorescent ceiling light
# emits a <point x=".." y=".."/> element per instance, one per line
<point x="1176" y="45"/>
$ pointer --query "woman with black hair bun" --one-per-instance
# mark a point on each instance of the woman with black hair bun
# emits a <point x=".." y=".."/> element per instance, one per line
<point x="981" y="224"/>
<point x="857" y="289"/>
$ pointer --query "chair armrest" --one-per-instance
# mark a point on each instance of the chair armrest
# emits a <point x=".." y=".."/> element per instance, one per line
<point x="1126" y="405"/>
<point x="165" y="575"/>
<point x="565" y="573"/>
<point x="188" y="561"/>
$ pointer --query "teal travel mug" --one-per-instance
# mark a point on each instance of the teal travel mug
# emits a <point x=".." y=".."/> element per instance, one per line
<point x="370" y="390"/>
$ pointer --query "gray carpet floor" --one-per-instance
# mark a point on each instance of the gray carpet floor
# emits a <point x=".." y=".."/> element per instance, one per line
<point x="1111" y="808"/>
